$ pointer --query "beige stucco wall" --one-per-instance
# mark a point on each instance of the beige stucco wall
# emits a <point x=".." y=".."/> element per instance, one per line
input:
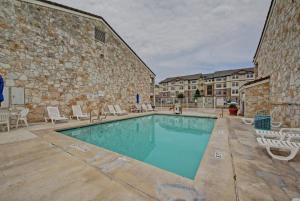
<point x="54" y="56"/>
<point x="278" y="56"/>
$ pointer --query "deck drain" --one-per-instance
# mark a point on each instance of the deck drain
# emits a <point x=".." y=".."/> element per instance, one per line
<point x="218" y="155"/>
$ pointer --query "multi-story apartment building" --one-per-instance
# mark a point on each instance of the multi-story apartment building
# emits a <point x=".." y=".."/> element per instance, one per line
<point x="224" y="83"/>
<point x="186" y="85"/>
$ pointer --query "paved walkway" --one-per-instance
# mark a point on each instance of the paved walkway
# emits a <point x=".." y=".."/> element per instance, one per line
<point x="258" y="177"/>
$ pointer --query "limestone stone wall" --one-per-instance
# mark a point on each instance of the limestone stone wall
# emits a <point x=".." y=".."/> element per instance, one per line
<point x="279" y="57"/>
<point x="53" y="54"/>
<point x="256" y="98"/>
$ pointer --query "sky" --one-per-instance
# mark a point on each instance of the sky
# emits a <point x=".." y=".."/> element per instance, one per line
<point x="182" y="37"/>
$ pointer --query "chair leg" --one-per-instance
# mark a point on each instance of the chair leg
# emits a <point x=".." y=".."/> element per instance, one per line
<point x="17" y="125"/>
<point x="293" y="153"/>
<point x="26" y="123"/>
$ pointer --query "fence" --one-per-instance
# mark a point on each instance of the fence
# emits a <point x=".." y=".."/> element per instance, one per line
<point x="201" y="102"/>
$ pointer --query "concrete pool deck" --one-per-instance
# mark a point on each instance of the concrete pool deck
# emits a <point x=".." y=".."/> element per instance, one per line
<point x="40" y="164"/>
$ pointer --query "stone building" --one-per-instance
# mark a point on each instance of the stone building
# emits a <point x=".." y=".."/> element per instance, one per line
<point x="277" y="60"/>
<point x="257" y="95"/>
<point x="52" y="54"/>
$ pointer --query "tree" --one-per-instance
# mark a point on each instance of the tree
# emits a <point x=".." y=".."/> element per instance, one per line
<point x="181" y="95"/>
<point x="197" y="94"/>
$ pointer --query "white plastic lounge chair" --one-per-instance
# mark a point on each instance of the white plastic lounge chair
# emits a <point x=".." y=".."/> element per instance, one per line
<point x="149" y="107"/>
<point x="23" y="117"/>
<point x="275" y="124"/>
<point x="77" y="112"/>
<point x="144" y="108"/>
<point x="54" y="115"/>
<point x="269" y="144"/>
<point x="4" y="118"/>
<point x="119" y="111"/>
<point x="111" y="110"/>
<point x="250" y="121"/>
<point x="284" y="134"/>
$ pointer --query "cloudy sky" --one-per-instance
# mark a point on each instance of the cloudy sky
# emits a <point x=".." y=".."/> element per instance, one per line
<point x="177" y="37"/>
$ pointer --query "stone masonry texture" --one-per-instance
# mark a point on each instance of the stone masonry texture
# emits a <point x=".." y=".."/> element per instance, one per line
<point x="53" y="54"/>
<point x="279" y="57"/>
<point x="258" y="99"/>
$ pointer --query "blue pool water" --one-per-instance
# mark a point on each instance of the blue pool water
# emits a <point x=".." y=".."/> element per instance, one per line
<point x="173" y="143"/>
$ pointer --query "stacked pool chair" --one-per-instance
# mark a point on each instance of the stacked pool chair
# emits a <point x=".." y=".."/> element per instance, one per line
<point x="262" y="121"/>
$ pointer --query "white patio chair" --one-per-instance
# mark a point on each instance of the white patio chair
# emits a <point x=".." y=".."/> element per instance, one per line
<point x="149" y="107"/>
<point x="23" y="117"/>
<point x="77" y="112"/>
<point x="54" y="115"/>
<point x="4" y="119"/>
<point x="269" y="144"/>
<point x="144" y="108"/>
<point x="284" y="134"/>
<point x="119" y="111"/>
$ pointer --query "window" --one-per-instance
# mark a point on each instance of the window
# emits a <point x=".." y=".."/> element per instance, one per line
<point x="181" y="87"/>
<point x="99" y="35"/>
<point x="165" y="89"/>
<point x="234" y="91"/>
<point x="209" y="90"/>
<point x="235" y="84"/>
<point x="194" y="87"/>
<point x="250" y="75"/>
<point x="224" y="85"/>
<point x="181" y="82"/>
<point x="218" y="86"/>
<point x="235" y="77"/>
<point x="218" y="92"/>
<point x="172" y="88"/>
<point x="194" y="81"/>
<point x="219" y="79"/>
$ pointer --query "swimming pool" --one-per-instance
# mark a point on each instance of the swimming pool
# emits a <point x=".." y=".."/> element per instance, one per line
<point x="173" y="143"/>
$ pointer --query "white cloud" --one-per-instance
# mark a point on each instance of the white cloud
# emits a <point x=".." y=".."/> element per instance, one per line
<point x="182" y="37"/>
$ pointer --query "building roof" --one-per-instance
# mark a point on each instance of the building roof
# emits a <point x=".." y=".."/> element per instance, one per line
<point x="99" y="17"/>
<point x="256" y="81"/>
<point x="224" y="73"/>
<point x="185" y="77"/>
<point x="264" y="29"/>
<point x="221" y="73"/>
